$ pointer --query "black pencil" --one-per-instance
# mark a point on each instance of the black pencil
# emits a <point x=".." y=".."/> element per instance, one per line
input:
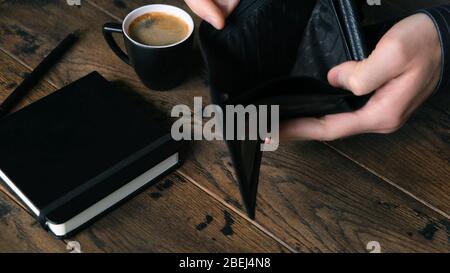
<point x="33" y="78"/>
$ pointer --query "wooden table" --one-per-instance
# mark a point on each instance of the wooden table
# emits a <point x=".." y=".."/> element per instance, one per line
<point x="313" y="197"/>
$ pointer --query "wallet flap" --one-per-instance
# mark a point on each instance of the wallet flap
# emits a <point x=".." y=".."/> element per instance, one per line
<point x="349" y="21"/>
<point x="332" y="36"/>
<point x="260" y="57"/>
<point x="301" y="97"/>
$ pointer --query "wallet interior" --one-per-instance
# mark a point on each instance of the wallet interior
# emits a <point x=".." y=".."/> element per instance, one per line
<point x="278" y="52"/>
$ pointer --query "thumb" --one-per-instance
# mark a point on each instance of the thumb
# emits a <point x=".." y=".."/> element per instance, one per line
<point x="356" y="77"/>
<point x="368" y="75"/>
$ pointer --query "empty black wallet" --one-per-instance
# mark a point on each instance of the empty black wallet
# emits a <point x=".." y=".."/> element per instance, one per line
<point x="278" y="52"/>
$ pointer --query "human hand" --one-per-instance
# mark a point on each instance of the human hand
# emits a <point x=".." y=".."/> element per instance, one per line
<point x="404" y="70"/>
<point x="213" y="11"/>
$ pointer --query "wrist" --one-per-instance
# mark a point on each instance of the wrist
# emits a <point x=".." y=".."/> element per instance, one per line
<point x="440" y="19"/>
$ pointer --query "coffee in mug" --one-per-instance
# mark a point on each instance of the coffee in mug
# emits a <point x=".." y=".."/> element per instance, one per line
<point x="158" y="40"/>
<point x="158" y="29"/>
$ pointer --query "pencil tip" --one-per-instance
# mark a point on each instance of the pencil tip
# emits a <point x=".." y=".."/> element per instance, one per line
<point x="76" y="33"/>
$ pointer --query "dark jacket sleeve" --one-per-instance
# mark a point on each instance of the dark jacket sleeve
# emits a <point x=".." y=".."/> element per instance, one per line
<point x="441" y="18"/>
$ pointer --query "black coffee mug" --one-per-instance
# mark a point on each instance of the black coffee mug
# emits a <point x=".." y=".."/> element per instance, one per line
<point x="159" y="67"/>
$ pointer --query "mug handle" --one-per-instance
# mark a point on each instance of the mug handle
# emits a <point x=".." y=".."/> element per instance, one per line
<point x="108" y="30"/>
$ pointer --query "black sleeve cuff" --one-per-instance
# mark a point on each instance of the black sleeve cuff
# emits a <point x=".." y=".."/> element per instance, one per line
<point x="441" y="17"/>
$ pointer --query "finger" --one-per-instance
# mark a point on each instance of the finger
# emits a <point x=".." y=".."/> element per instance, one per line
<point x="328" y="128"/>
<point x="227" y="6"/>
<point x="208" y="11"/>
<point x="385" y="112"/>
<point x="385" y="63"/>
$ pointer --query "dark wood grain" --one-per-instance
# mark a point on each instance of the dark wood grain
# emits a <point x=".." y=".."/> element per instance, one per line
<point x="175" y="216"/>
<point x="189" y="219"/>
<point x="316" y="201"/>
<point x="417" y="158"/>
<point x="29" y="41"/>
<point x="310" y="196"/>
<point x="214" y="170"/>
<point x="21" y="233"/>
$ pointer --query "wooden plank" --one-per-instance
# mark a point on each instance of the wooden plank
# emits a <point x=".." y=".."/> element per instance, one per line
<point x="21" y="233"/>
<point x="316" y="201"/>
<point x="11" y="74"/>
<point x="119" y="9"/>
<point x="173" y="216"/>
<point x="32" y="40"/>
<point x="310" y="196"/>
<point x="417" y="158"/>
<point x="218" y="180"/>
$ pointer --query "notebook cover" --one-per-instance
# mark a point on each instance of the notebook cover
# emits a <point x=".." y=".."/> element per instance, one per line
<point x="83" y="132"/>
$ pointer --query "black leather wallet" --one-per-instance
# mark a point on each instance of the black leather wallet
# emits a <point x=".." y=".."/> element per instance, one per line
<point x="278" y="52"/>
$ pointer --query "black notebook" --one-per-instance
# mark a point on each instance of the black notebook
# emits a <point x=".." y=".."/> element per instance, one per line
<point x="80" y="151"/>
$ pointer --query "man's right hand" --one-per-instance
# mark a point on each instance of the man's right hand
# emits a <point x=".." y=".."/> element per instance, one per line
<point x="213" y="11"/>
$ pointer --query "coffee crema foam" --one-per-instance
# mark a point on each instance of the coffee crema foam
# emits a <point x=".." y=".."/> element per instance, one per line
<point x="158" y="29"/>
